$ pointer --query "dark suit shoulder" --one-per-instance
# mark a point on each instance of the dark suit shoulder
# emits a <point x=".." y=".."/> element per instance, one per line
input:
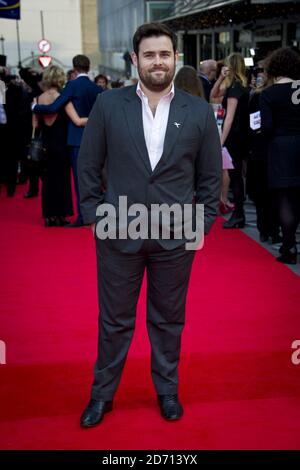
<point x="196" y="102"/>
<point x="119" y="93"/>
<point x="84" y="82"/>
<point x="116" y="96"/>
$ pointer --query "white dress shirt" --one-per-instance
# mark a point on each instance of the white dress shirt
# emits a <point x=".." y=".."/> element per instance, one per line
<point x="82" y="75"/>
<point x="155" y="126"/>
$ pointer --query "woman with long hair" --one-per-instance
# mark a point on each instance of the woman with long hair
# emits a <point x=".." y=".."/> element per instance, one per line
<point x="235" y="128"/>
<point x="216" y="99"/>
<point x="187" y="80"/>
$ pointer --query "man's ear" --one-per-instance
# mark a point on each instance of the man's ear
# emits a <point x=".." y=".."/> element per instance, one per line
<point x="176" y="56"/>
<point x="134" y="59"/>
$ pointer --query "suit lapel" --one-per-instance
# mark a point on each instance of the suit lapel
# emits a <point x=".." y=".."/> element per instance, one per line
<point x="177" y="115"/>
<point x="134" y="116"/>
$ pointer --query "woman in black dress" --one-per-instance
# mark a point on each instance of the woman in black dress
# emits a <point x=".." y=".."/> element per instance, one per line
<point x="56" y="175"/>
<point x="235" y="129"/>
<point x="257" y="170"/>
<point x="280" y="115"/>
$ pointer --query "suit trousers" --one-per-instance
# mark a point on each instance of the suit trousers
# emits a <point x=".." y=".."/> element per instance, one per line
<point x="74" y="151"/>
<point x="120" y="277"/>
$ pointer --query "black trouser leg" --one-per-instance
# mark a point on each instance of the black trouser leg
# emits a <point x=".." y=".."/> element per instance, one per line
<point x="289" y="214"/>
<point x="168" y="274"/>
<point x="119" y="281"/>
<point x="12" y="172"/>
<point x="237" y="186"/>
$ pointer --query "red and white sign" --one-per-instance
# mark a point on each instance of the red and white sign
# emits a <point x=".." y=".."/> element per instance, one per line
<point x="45" y="60"/>
<point x="44" y="46"/>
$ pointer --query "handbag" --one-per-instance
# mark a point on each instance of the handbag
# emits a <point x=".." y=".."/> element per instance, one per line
<point x="3" y="118"/>
<point x="37" y="153"/>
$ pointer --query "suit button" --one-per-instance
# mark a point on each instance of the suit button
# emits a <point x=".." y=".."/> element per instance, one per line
<point x="151" y="181"/>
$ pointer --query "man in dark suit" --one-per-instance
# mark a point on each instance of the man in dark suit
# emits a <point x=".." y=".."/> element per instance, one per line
<point x="207" y="75"/>
<point x="83" y="93"/>
<point x="158" y="145"/>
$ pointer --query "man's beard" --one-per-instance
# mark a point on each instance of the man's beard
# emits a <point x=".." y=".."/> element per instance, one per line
<point x="157" y="84"/>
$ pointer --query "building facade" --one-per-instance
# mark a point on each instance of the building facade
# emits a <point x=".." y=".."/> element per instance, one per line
<point x="58" y="21"/>
<point x="89" y="31"/>
<point x="117" y="22"/>
<point x="69" y="25"/>
<point x="213" y="29"/>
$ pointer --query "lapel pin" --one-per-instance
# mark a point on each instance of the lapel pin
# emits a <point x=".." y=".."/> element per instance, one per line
<point x="177" y="124"/>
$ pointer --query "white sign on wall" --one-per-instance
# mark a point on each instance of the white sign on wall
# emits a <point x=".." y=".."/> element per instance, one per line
<point x="44" y="46"/>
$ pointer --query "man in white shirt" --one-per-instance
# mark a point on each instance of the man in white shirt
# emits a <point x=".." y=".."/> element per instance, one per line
<point x="158" y="145"/>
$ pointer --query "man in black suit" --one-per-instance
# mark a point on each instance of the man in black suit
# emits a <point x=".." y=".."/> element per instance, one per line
<point x="158" y="145"/>
<point x="207" y="75"/>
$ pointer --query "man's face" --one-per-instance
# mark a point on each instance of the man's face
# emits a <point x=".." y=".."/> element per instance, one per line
<point x="155" y="62"/>
<point x="102" y="83"/>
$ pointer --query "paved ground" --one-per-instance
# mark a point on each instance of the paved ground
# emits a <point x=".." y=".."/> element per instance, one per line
<point x="251" y="230"/>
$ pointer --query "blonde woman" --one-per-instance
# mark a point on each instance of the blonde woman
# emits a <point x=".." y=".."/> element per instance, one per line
<point x="235" y="128"/>
<point x="56" y="176"/>
<point x="216" y="99"/>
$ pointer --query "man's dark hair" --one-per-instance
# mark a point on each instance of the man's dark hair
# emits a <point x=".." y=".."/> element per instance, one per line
<point x="283" y="62"/>
<point x="32" y="78"/>
<point x="149" y="30"/>
<point x="104" y="77"/>
<point x="81" y="63"/>
<point x="187" y="79"/>
<point x="116" y="84"/>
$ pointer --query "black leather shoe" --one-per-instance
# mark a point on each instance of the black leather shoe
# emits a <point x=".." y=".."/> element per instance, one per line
<point x="30" y="194"/>
<point x="235" y="221"/>
<point x="74" y="225"/>
<point x="63" y="221"/>
<point x="94" y="412"/>
<point x="51" y="222"/>
<point x="78" y="223"/>
<point x="170" y="407"/>
<point x="276" y="239"/>
<point x="288" y="256"/>
<point x="263" y="237"/>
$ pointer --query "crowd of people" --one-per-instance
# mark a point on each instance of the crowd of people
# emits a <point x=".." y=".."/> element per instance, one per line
<point x="257" y="117"/>
<point x="259" y="123"/>
<point x="168" y="139"/>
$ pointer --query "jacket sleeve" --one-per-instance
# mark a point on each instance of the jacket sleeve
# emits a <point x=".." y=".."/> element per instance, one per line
<point x="209" y="171"/>
<point x="65" y="96"/>
<point x="91" y="161"/>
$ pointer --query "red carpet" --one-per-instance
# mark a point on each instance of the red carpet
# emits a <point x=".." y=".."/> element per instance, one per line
<point x="238" y="385"/>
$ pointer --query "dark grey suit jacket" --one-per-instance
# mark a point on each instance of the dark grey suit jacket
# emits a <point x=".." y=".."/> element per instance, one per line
<point x="189" y="170"/>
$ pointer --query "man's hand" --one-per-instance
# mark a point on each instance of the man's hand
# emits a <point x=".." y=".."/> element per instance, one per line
<point x="33" y="104"/>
